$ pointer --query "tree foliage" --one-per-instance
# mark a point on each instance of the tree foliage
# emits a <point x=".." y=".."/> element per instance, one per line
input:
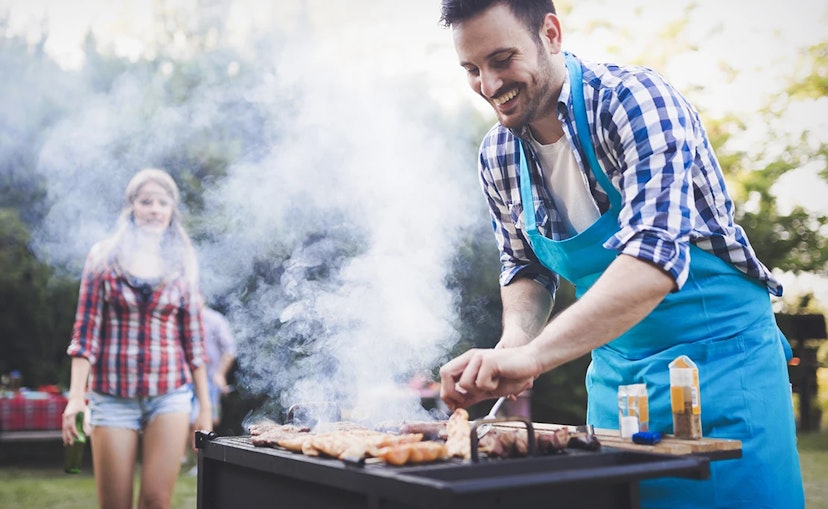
<point x="35" y="320"/>
<point x="792" y="241"/>
<point x="200" y="107"/>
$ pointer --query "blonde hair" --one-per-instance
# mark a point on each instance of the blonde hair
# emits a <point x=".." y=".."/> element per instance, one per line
<point x="179" y="256"/>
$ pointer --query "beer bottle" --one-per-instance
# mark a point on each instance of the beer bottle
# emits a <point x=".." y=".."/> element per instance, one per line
<point x="73" y="454"/>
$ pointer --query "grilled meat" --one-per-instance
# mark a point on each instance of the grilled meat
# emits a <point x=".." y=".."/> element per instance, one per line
<point x="413" y="452"/>
<point x="405" y="444"/>
<point x="458" y="431"/>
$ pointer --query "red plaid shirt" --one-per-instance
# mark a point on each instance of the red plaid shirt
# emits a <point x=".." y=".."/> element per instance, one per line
<point x="137" y="347"/>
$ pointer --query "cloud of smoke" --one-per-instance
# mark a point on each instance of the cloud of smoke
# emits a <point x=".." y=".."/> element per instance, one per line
<point x="332" y="233"/>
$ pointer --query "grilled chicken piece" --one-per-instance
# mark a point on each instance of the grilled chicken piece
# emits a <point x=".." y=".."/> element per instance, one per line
<point x="412" y="453"/>
<point x="272" y="435"/>
<point x="265" y="427"/>
<point x="551" y="442"/>
<point x="458" y="429"/>
<point x="513" y="443"/>
<point x="294" y="443"/>
<point x="354" y="443"/>
<point x="431" y="430"/>
<point x="503" y="443"/>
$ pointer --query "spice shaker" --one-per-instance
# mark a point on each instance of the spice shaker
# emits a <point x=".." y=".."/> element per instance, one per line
<point x="633" y="409"/>
<point x="685" y="398"/>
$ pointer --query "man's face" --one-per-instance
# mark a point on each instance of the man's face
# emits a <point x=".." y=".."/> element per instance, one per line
<point x="506" y="67"/>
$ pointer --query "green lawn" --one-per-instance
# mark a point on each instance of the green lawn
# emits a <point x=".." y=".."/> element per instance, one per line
<point x="813" y="456"/>
<point x="35" y="487"/>
<point x="50" y="488"/>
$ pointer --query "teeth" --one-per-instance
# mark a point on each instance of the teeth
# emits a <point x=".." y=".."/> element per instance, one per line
<point x="505" y="97"/>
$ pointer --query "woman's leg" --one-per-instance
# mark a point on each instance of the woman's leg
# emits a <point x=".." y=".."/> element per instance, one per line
<point x="114" y="451"/>
<point x="164" y="439"/>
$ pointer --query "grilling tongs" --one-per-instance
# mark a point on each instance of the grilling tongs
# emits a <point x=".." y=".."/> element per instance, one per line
<point x="586" y="432"/>
<point x="485" y="427"/>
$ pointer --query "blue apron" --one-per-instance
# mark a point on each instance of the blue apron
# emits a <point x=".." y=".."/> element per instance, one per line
<point x="723" y="321"/>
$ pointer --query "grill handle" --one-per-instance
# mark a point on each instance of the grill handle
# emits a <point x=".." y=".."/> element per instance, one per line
<point x="313" y="413"/>
<point x="530" y="433"/>
<point x="202" y="437"/>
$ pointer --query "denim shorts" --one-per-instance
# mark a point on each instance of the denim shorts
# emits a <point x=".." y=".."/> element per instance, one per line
<point x="135" y="413"/>
<point x="215" y="401"/>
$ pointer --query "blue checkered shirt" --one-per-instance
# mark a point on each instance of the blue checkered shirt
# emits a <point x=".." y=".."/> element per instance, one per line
<point x="651" y="144"/>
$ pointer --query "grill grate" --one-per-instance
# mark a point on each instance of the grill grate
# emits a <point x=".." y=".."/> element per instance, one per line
<point x="235" y="473"/>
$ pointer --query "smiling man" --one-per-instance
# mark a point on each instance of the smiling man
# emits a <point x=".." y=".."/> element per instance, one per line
<point x="604" y="175"/>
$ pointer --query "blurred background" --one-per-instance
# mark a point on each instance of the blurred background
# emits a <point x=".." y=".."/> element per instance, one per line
<point x="326" y="153"/>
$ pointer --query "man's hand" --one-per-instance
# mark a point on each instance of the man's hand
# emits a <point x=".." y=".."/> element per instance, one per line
<point x="221" y="382"/>
<point x="520" y="338"/>
<point x="480" y="374"/>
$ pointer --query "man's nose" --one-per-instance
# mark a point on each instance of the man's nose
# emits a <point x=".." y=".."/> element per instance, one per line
<point x="490" y="83"/>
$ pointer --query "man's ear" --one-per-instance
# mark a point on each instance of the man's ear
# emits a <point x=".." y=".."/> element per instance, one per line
<point x="551" y="33"/>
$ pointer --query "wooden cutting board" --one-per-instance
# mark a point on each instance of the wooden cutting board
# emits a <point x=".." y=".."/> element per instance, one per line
<point x="715" y="448"/>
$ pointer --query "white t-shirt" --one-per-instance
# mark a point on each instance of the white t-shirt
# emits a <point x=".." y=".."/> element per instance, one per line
<point x="567" y="184"/>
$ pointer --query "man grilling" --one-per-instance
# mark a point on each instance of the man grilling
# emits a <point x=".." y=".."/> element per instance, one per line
<point x="604" y="175"/>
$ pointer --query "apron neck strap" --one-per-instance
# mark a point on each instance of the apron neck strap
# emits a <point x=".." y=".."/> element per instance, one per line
<point x="576" y="88"/>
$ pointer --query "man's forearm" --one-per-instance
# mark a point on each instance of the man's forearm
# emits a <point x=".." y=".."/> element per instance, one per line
<point x="626" y="293"/>
<point x="225" y="363"/>
<point x="526" y="310"/>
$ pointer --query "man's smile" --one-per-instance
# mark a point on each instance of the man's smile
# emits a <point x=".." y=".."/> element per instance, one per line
<point x="503" y="99"/>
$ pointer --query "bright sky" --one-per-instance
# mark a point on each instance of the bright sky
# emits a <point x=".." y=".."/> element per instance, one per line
<point x="763" y="40"/>
<point x="757" y="37"/>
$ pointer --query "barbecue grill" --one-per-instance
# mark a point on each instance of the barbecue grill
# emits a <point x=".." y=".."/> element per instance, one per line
<point x="233" y="473"/>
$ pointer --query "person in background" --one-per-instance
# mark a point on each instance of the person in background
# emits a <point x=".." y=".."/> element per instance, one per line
<point x="221" y="353"/>
<point x="604" y="175"/>
<point x="137" y="346"/>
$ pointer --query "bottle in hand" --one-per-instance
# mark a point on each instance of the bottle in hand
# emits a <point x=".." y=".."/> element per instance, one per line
<point x="73" y="454"/>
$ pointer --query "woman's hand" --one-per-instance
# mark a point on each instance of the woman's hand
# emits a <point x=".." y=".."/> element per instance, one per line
<point x="68" y="429"/>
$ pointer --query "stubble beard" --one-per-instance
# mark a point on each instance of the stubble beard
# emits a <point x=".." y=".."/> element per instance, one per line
<point x="541" y="97"/>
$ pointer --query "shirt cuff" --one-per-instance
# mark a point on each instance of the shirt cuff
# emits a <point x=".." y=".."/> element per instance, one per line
<point x="76" y="350"/>
<point x="657" y="248"/>
<point x="540" y="275"/>
<point x="197" y="361"/>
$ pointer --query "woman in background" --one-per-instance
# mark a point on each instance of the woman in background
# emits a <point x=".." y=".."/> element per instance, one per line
<point x="138" y="343"/>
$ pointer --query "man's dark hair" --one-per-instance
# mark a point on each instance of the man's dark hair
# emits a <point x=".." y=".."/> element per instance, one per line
<point x="529" y="12"/>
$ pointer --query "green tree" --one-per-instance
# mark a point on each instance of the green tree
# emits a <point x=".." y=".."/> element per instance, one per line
<point x="795" y="241"/>
<point x="35" y="322"/>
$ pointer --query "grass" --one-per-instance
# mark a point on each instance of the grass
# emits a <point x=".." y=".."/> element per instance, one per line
<point x="813" y="456"/>
<point x="39" y="487"/>
<point x="49" y="488"/>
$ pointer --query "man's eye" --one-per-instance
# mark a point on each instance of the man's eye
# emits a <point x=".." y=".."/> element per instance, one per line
<point x="472" y="71"/>
<point x="502" y="62"/>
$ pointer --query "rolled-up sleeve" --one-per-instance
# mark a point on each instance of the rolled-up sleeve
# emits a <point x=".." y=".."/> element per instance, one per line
<point x="192" y="328"/>
<point x="652" y="132"/>
<point x="86" y="331"/>
<point x="516" y="256"/>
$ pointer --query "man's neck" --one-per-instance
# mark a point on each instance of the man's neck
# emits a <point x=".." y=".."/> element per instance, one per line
<point x="547" y="130"/>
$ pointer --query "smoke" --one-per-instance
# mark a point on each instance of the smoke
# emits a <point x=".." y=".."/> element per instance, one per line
<point x="362" y="198"/>
<point x="330" y="236"/>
